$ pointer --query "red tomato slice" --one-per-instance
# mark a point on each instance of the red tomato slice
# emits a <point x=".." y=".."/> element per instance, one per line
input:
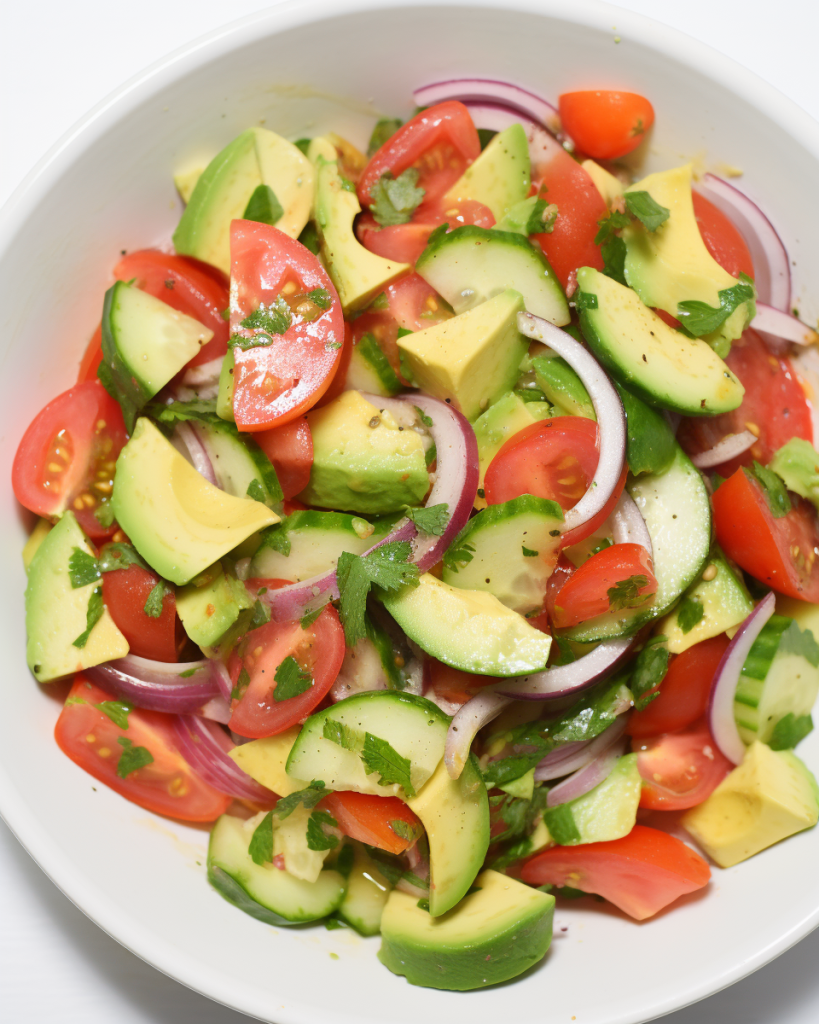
<point x="276" y="383"/>
<point x="586" y="593"/>
<point x="780" y="552"/>
<point x="774" y="407"/>
<point x="580" y="206"/>
<point x="414" y="304"/>
<point x="605" y="123"/>
<point x="451" y="684"/>
<point x="166" y="785"/>
<point x="683" y="693"/>
<point x="556" y="459"/>
<point x="640" y="873"/>
<point x="339" y="381"/>
<point x="441" y="142"/>
<point x="679" y="769"/>
<point x="369" y="818"/>
<point x="67" y="457"/>
<point x="319" y="651"/>
<point x="125" y="592"/>
<point x="91" y="358"/>
<point x="404" y="243"/>
<point x="290" y="449"/>
<point x="722" y="240"/>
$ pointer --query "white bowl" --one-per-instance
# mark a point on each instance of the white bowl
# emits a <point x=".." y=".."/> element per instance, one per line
<point x="302" y="68"/>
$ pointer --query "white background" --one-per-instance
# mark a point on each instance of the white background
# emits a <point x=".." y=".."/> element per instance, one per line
<point x="59" y="59"/>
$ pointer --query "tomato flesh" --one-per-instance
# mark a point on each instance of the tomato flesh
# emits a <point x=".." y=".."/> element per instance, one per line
<point x="679" y="769"/>
<point x="125" y="592"/>
<point x="290" y="449"/>
<point x="368" y="818"/>
<point x="722" y="240"/>
<point x="641" y="873"/>
<point x="605" y="123"/>
<point x="404" y="243"/>
<point x="592" y="589"/>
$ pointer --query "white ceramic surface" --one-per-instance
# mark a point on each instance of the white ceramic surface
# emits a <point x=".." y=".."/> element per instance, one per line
<point x="107" y="187"/>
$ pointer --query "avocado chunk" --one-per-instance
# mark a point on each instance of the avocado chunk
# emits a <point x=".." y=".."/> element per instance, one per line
<point x="210" y="604"/>
<point x="58" y="615"/>
<point x="562" y="386"/>
<point x="472" y="359"/>
<point x="493" y="935"/>
<point x="672" y="264"/>
<point x="468" y="629"/>
<point x="179" y="523"/>
<point x="609" y="187"/>
<point x="493" y="428"/>
<point x="455" y="815"/>
<point x="501" y="175"/>
<point x="264" y="760"/>
<point x="362" y="461"/>
<point x="658" y="364"/>
<point x="770" y="796"/>
<point x="255" y="158"/>
<point x="358" y="274"/>
<point x="609" y="811"/>
<point x="797" y="463"/>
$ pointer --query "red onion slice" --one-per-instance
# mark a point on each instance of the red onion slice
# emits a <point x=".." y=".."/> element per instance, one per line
<point x="592" y="774"/>
<point x="479" y="89"/>
<point x="720" y="712"/>
<point x="611" y="419"/>
<point x="466" y="724"/>
<point x="773" y="321"/>
<point x="567" y="680"/>
<point x="217" y="709"/>
<point x="205" y="746"/>
<point x="728" y="448"/>
<point x="628" y="525"/>
<point x="198" y="453"/>
<point x="204" y="376"/>
<point x="564" y="760"/>
<point x="222" y="678"/>
<point x="158" y="685"/>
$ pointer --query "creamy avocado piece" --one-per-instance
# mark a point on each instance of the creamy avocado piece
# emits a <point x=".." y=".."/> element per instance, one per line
<point x="358" y="274"/>
<point x="672" y="264"/>
<point x="210" y="604"/>
<point x="255" y="158"/>
<point x="717" y="601"/>
<point x="362" y="460"/>
<point x="770" y="796"/>
<point x="797" y="462"/>
<point x="494" y="934"/>
<point x="609" y="187"/>
<point x="179" y="523"/>
<point x="468" y="629"/>
<point x="609" y="811"/>
<point x="501" y="421"/>
<point x="264" y="760"/>
<point x="472" y="359"/>
<point x="185" y="182"/>
<point x="36" y="538"/>
<point x="58" y="615"/>
<point x="501" y="175"/>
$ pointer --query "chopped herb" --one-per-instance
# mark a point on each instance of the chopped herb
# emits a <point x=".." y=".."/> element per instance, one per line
<point x="156" y="600"/>
<point x="92" y="616"/>
<point x="261" y="845"/>
<point x="385" y="128"/>
<point x="456" y="556"/>
<point x="334" y="922"/>
<point x="542" y="218"/>
<point x="241" y="686"/>
<point x="608" y="225"/>
<point x="82" y="568"/>
<point x="311" y="617"/>
<point x="789" y="731"/>
<point x="698" y="318"/>
<point x="256" y="491"/>
<point x="601" y="545"/>
<point x="345" y="859"/>
<point x="379" y="302"/>
<point x="423" y="904"/>
<point x="275" y="537"/>
<point x="776" y="494"/>
<point x="104" y="514"/>
<point x="405" y="830"/>
<point x="528" y="553"/>
<point x="626" y="593"/>
<point x="303" y="145"/>
<point x="261" y="615"/>
<point x="646" y="210"/>
<point x="485" y="136"/>
<point x="343" y="735"/>
<point x="613" y="251"/>
<point x="132" y="758"/>
<point x="386" y="566"/>
<point x="188" y="673"/>
<point x="565" y="653"/>
<point x="333" y="346"/>
<point x="430" y="455"/>
<point x="309" y="238"/>
<point x="422" y="416"/>
<point x="263" y="206"/>
<point x="317" y="838"/>
<point x="180" y="412"/>
<point x="320" y="297"/>
<point x="346" y="184"/>
<point x="274" y="318"/>
<point x="395" y="199"/>
<point x="561" y="825"/>
<point x="116" y="710"/>
<point x="378" y="756"/>
<point x="309" y="797"/>
<point x="432" y="520"/>
<point x="119" y="556"/>
<point x="648" y="671"/>
<point x="291" y="680"/>
<point x="402" y="333"/>
<point x="689" y="613"/>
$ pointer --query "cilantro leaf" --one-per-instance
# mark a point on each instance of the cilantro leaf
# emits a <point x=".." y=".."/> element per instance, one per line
<point x="117" y="711"/>
<point x="320" y="297"/>
<point x="263" y="206"/>
<point x="689" y="613"/>
<point x="274" y="318"/>
<point x="181" y="412"/>
<point x="92" y="617"/>
<point x="132" y="758"/>
<point x="386" y="566"/>
<point x="241" y="686"/>
<point x="405" y="830"/>
<point x="789" y="731"/>
<point x="648" y="671"/>
<point x="458" y="556"/>
<point x="608" y="225"/>
<point x="379" y="302"/>
<point x="613" y="251"/>
<point x="261" y="845"/>
<point x="626" y="593"/>
<point x="776" y="494"/>
<point x="431" y="455"/>
<point x="307" y="621"/>
<point x="82" y="568"/>
<point x="317" y="838"/>
<point x="309" y="797"/>
<point x="542" y="218"/>
<point x="432" y="520"/>
<point x="104" y="514"/>
<point x="422" y="416"/>
<point x="698" y="318"/>
<point x="341" y="734"/>
<point x="379" y="756"/>
<point x="561" y="824"/>
<point x="275" y="537"/>
<point x="646" y="210"/>
<point x="261" y="615"/>
<point x="385" y="128"/>
<point x="256" y="491"/>
<point x="291" y="680"/>
<point x="528" y="552"/>
<point x="156" y="600"/>
<point x="119" y="556"/>
<point x="395" y="199"/>
<point x="309" y="238"/>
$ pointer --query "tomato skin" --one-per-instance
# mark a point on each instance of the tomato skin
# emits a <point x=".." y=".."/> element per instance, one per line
<point x="722" y="240"/>
<point x="413" y="303"/>
<point x="605" y="123"/>
<point x="92" y="357"/>
<point x="318" y="650"/>
<point x="451" y="684"/>
<point x="125" y="592"/>
<point x="774" y="407"/>
<point x="763" y="546"/>
<point x="86" y="448"/>
<point x="290" y="449"/>
<point x="339" y="381"/>
<point x="584" y="594"/>
<point x="679" y="769"/>
<point x="279" y="382"/>
<point x="367" y="818"/>
<point x="683" y="693"/>
<point x="404" y="243"/>
<point x="640" y="873"/>
<point x="167" y="786"/>
<point x="441" y="142"/>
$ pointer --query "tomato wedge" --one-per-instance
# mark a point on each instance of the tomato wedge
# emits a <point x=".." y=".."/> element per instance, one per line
<point x="67" y="457"/>
<point x="404" y="243"/>
<point x="679" y="769"/>
<point x="641" y="873"/>
<point x="318" y="653"/>
<point x="92" y="357"/>
<point x="285" y="374"/>
<point x="605" y="123"/>
<point x="165" y="784"/>
<point x="619" y="576"/>
<point x="780" y="552"/>
<point x="722" y="240"/>
<point x="290" y="449"/>
<point x="373" y="819"/>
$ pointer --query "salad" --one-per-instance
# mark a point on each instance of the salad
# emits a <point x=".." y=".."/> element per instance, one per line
<point x="440" y="524"/>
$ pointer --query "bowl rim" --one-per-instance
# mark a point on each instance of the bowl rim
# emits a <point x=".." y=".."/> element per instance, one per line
<point x="280" y="16"/>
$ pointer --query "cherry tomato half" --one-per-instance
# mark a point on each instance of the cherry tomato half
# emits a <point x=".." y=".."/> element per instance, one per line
<point x="605" y="123"/>
<point x="620" y="576"/>
<point x="369" y="818"/>
<point x="679" y="769"/>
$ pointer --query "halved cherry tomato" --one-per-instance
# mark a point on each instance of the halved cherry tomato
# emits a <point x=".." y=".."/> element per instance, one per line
<point x="605" y="123"/>
<point x="166" y="785"/>
<point x="414" y="304"/>
<point x="92" y="357"/>
<point x="679" y="769"/>
<point x="369" y="818"/>
<point x="640" y="873"/>
<point x="67" y="457"/>
<point x="722" y="240"/>
<point x="339" y="381"/>
<point x="683" y="693"/>
<point x="404" y="243"/>
<point x="774" y="407"/>
<point x="318" y="651"/>
<point x="780" y="552"/>
<point x="556" y="459"/>
<point x="450" y="683"/>
<point x="440" y="142"/>
<point x="290" y="449"/>
<point x="278" y="381"/>
<point x="599" y="585"/>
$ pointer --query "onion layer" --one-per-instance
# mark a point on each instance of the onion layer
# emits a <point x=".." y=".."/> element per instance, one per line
<point x="205" y="746"/>
<point x="495" y="118"/>
<point x="466" y="724"/>
<point x="628" y="525"/>
<point x="783" y="325"/>
<point x="728" y="448"/>
<point x="196" y="450"/>
<point x="567" y="680"/>
<point x="158" y="685"/>
<point x="595" y="772"/>
<point x="472" y="90"/>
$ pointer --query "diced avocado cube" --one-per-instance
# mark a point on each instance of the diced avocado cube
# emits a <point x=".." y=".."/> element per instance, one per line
<point x="210" y="604"/>
<point x="264" y="760"/>
<point x="609" y="187"/>
<point x="609" y="811"/>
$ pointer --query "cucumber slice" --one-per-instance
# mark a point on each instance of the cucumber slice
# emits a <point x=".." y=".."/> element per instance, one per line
<point x="609" y="811"/>
<point x="370" y="370"/>
<point x="471" y="264"/>
<point x="265" y="892"/>
<point x="367" y="894"/>
<point x="508" y="550"/>
<point x="413" y="726"/>
<point x="677" y="512"/>
<point x="241" y="467"/>
<point x="307" y="543"/>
